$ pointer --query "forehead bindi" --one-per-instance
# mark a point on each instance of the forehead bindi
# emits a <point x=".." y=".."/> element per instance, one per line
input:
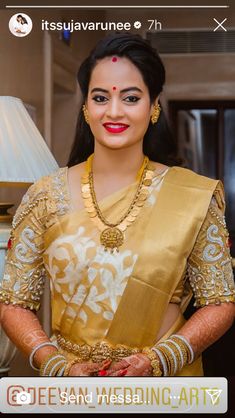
<point x="114" y="59"/>
<point x="116" y="76"/>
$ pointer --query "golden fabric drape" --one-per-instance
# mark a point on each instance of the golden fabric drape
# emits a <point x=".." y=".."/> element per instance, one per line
<point x="118" y="298"/>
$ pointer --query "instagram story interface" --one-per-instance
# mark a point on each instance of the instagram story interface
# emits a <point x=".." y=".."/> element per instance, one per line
<point x="117" y="226"/>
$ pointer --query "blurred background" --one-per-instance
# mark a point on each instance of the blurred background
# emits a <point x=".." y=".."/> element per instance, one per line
<point x="198" y="51"/>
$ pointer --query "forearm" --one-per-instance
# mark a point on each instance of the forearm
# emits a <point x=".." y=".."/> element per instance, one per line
<point x="25" y="331"/>
<point x="207" y="325"/>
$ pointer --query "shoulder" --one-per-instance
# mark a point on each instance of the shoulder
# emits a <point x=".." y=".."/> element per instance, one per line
<point x="187" y="177"/>
<point x="41" y="194"/>
<point x="43" y="186"/>
<point x="75" y="172"/>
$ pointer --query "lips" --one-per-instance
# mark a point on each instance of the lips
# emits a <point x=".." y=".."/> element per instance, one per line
<point x="115" y="128"/>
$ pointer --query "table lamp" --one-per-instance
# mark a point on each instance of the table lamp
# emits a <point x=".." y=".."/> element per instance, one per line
<point x="24" y="158"/>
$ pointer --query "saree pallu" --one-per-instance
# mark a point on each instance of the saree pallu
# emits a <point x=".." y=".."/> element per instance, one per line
<point x="121" y="298"/>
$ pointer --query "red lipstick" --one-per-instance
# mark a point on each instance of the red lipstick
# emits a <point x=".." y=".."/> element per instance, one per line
<point x="115" y="128"/>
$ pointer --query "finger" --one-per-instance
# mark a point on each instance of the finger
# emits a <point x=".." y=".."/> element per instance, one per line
<point x="94" y="367"/>
<point x="122" y="364"/>
<point x="85" y="374"/>
<point x="132" y="371"/>
<point x="119" y="373"/>
<point x="106" y="364"/>
<point x="80" y="371"/>
<point x="148" y="372"/>
<point x="84" y="369"/>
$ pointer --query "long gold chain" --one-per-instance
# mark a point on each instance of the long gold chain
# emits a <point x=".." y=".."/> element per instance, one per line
<point x="102" y="218"/>
<point x="112" y="233"/>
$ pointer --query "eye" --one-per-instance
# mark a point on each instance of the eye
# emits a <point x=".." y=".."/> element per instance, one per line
<point x="132" y="99"/>
<point x="99" y="99"/>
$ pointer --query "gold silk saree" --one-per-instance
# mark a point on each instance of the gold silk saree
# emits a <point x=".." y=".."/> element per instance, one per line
<point x="120" y="298"/>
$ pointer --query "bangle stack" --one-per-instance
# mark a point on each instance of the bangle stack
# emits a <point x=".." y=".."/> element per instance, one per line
<point x="155" y="363"/>
<point x="53" y="365"/>
<point x="174" y="353"/>
<point x="69" y="366"/>
<point x="34" y="351"/>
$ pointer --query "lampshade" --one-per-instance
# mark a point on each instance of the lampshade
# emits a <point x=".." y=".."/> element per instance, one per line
<point x="24" y="155"/>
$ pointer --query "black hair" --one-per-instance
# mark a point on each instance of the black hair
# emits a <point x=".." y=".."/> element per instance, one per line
<point x="22" y="17"/>
<point x="158" y="143"/>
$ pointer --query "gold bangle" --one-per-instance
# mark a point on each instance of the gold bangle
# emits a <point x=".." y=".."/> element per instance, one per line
<point x="52" y="359"/>
<point x="44" y="362"/>
<point x="155" y="363"/>
<point x="177" y="354"/>
<point x="168" y="356"/>
<point x="184" y="349"/>
<point x="69" y="366"/>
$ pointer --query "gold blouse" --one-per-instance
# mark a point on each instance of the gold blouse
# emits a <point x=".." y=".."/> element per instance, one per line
<point x="208" y="272"/>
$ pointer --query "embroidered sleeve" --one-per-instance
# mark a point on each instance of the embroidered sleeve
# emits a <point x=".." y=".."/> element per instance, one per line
<point x="209" y="265"/>
<point x="24" y="273"/>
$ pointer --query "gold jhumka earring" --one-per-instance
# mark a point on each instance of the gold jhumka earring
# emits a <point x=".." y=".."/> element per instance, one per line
<point x="155" y="114"/>
<point x="85" y="112"/>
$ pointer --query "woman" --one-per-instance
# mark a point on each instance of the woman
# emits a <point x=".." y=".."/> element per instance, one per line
<point x="126" y="250"/>
<point x="21" y="25"/>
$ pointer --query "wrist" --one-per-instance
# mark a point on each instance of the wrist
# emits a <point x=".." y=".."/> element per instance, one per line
<point x="53" y="365"/>
<point x="42" y="353"/>
<point x="154" y="361"/>
<point x="69" y="366"/>
<point x="174" y="353"/>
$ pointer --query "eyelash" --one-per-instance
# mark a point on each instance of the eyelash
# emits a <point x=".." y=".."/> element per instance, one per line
<point x="98" y="97"/>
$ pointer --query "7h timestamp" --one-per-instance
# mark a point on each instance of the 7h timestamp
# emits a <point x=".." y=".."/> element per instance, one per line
<point x="154" y="24"/>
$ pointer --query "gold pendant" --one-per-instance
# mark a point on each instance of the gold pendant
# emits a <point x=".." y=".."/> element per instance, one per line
<point x="112" y="238"/>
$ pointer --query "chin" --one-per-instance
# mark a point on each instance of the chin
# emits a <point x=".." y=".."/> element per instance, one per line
<point x="115" y="146"/>
<point x="115" y="142"/>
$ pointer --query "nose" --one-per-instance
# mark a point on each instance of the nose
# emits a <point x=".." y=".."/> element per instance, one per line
<point x="114" y="109"/>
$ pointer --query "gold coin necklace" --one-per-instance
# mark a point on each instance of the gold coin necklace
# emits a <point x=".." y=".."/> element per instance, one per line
<point x="112" y="234"/>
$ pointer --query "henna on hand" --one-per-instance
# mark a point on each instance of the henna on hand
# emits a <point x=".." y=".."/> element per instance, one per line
<point x="135" y="365"/>
<point x="85" y="369"/>
<point x="207" y="325"/>
<point x="25" y="331"/>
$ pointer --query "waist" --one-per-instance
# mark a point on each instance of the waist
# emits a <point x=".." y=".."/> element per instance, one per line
<point x="97" y="352"/>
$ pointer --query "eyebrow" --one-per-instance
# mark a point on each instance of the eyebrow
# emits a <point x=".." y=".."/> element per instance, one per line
<point x="122" y="91"/>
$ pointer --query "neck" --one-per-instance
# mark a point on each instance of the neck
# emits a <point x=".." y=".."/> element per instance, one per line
<point x="123" y="162"/>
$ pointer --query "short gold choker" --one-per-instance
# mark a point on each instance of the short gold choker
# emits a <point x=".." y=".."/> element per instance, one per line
<point x="112" y="234"/>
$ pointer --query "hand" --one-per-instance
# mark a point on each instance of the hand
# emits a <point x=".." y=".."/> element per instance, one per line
<point x="88" y="369"/>
<point x="134" y="365"/>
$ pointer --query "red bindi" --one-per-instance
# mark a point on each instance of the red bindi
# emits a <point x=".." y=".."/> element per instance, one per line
<point x="114" y="59"/>
<point x="114" y="88"/>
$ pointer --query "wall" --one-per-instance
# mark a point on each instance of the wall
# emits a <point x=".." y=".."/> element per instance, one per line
<point x="190" y="77"/>
<point x="23" y="74"/>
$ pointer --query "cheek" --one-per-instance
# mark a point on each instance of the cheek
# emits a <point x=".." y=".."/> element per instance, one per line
<point x="96" y="113"/>
<point x="140" y="118"/>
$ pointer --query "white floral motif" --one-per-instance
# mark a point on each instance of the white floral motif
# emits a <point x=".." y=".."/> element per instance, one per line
<point x="210" y="252"/>
<point x="113" y="282"/>
<point x="107" y="275"/>
<point x="27" y="242"/>
<point x="155" y="186"/>
<point x="72" y="273"/>
<point x="93" y="298"/>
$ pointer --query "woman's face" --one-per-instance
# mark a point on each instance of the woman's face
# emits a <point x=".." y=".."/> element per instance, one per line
<point x="118" y="103"/>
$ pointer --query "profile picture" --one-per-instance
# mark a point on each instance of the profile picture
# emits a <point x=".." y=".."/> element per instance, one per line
<point x="20" y="25"/>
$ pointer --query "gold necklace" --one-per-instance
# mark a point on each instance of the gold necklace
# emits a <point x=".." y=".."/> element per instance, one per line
<point x="112" y="234"/>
